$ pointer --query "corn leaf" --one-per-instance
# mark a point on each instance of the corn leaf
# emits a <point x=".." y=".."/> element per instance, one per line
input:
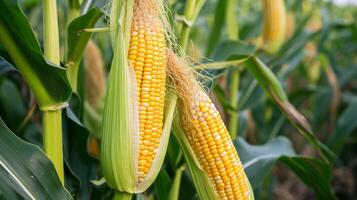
<point x="216" y="31"/>
<point x="175" y="188"/>
<point x="20" y="47"/>
<point x="162" y="185"/>
<point x="258" y="161"/>
<point x="25" y="171"/>
<point x="269" y="82"/>
<point x="346" y="125"/>
<point x="77" y="38"/>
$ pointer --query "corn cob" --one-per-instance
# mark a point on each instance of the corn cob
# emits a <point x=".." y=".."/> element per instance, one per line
<point x="215" y="151"/>
<point x="147" y="54"/>
<point x="135" y="134"/>
<point x="208" y="135"/>
<point x="274" y="24"/>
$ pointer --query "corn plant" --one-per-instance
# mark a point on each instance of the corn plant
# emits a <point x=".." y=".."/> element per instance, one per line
<point x="195" y="99"/>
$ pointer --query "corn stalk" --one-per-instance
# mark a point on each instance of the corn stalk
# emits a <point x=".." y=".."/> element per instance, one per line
<point x="52" y="119"/>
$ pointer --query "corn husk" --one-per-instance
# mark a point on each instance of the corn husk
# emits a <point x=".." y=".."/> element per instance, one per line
<point x="120" y="139"/>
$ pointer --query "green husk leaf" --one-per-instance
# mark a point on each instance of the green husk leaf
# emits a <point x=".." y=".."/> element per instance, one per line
<point x="203" y="184"/>
<point x="120" y="132"/>
<point x="161" y="151"/>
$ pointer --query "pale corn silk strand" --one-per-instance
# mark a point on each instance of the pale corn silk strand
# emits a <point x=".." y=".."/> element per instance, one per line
<point x="207" y="134"/>
<point x="147" y="55"/>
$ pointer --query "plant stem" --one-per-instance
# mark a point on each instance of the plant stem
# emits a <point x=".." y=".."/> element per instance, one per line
<point x="122" y="196"/>
<point x="52" y="139"/>
<point x="50" y="31"/>
<point x="192" y="9"/>
<point x="52" y="120"/>
<point x="231" y="22"/>
<point x="186" y="29"/>
<point x="175" y="188"/>
<point x="233" y="34"/>
<point x="234" y="115"/>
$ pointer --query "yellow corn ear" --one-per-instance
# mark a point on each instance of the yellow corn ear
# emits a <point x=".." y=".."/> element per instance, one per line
<point x="214" y="149"/>
<point x="290" y="25"/>
<point x="208" y="135"/>
<point x="135" y="132"/>
<point x="274" y="24"/>
<point x="147" y="55"/>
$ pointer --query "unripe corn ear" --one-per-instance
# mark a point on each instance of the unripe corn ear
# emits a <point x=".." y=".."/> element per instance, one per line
<point x="95" y="82"/>
<point x="290" y="25"/>
<point x="95" y="75"/>
<point x="208" y="137"/>
<point x="274" y="24"/>
<point x="135" y="128"/>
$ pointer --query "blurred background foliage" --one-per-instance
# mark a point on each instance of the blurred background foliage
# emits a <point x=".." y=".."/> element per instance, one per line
<point x="317" y="66"/>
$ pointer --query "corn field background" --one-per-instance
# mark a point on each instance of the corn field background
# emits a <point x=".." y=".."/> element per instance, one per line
<point x="290" y="107"/>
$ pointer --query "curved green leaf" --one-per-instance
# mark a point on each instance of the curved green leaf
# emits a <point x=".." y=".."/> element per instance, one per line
<point x="346" y="124"/>
<point x="25" y="171"/>
<point x="21" y="48"/>
<point x="77" y="38"/>
<point x="314" y="173"/>
<point x="259" y="160"/>
<point x="272" y="86"/>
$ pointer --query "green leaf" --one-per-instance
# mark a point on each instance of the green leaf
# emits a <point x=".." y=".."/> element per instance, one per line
<point x="175" y="187"/>
<point x="12" y="107"/>
<point x="231" y="50"/>
<point x="75" y="138"/>
<point x="26" y="171"/>
<point x="162" y="185"/>
<point x="270" y="83"/>
<point x="314" y="173"/>
<point x="21" y="48"/>
<point x="215" y="34"/>
<point x="258" y="161"/>
<point x="266" y="78"/>
<point x="228" y="54"/>
<point x="77" y="38"/>
<point x="77" y="42"/>
<point x="346" y="124"/>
